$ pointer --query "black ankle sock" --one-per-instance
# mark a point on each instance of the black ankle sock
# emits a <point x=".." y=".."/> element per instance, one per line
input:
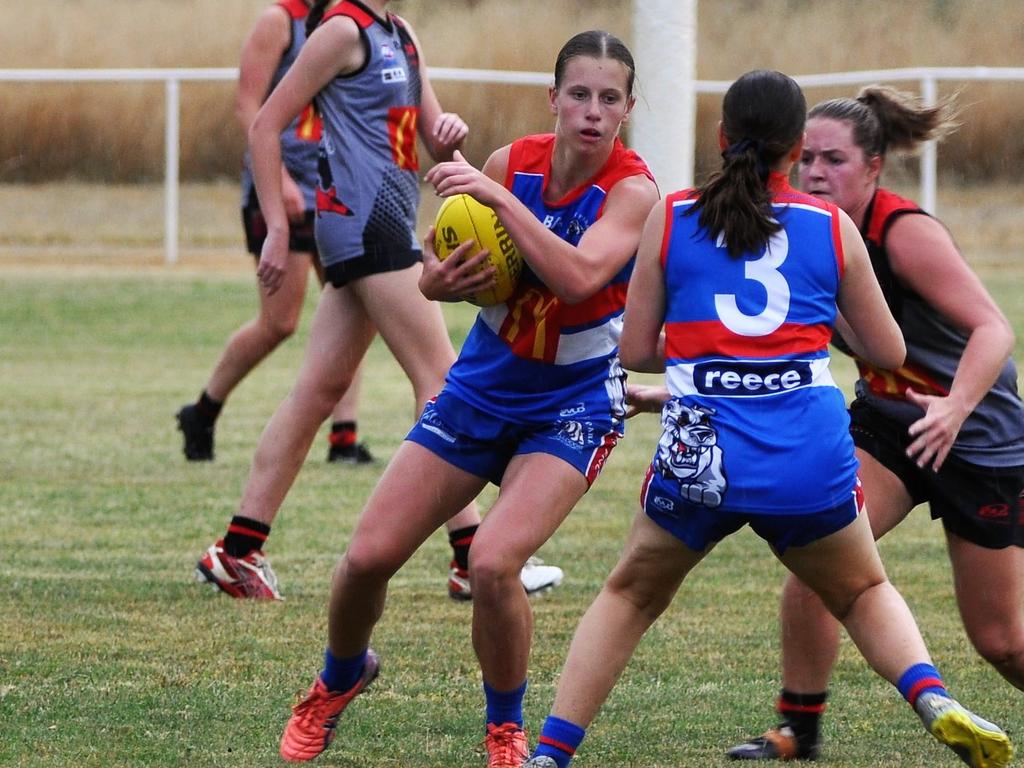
<point x="802" y="712"/>
<point x="207" y="407"/>
<point x="344" y="433"/>
<point x="244" y="535"/>
<point x="460" y="541"/>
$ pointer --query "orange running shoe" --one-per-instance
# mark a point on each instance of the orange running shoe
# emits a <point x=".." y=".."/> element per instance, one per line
<point x="506" y="745"/>
<point x="314" y="720"/>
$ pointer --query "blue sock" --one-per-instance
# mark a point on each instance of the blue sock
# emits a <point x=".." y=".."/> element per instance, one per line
<point x="921" y="678"/>
<point x="505" y="706"/>
<point x="559" y="740"/>
<point x="342" y="674"/>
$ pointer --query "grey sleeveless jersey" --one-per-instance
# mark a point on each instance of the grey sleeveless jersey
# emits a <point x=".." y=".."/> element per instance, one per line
<point x="369" y="187"/>
<point x="301" y="139"/>
<point x="993" y="434"/>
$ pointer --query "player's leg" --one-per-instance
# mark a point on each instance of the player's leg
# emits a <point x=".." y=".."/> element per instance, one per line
<point x="642" y="584"/>
<point x="990" y="592"/>
<point x="845" y="570"/>
<point x="809" y="635"/>
<point x="416" y="493"/>
<point x="276" y="321"/>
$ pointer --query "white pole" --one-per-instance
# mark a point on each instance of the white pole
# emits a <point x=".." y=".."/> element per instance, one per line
<point x="663" y="123"/>
<point x="929" y="153"/>
<point x="171" y="162"/>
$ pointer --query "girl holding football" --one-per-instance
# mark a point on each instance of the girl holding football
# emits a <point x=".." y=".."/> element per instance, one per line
<point x="534" y="402"/>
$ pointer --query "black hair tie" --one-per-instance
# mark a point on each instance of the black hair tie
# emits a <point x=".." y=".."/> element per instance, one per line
<point x="743" y="146"/>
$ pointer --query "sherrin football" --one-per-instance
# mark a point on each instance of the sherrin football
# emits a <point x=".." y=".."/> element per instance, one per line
<point x="462" y="218"/>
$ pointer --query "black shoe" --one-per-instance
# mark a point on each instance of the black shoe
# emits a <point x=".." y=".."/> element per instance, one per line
<point x="776" y="744"/>
<point x="198" y="434"/>
<point x="356" y="453"/>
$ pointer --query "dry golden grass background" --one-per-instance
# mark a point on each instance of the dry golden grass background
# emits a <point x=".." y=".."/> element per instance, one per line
<point x="107" y="132"/>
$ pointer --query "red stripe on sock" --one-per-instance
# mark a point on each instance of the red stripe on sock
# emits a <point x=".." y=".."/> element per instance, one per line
<point x="548" y="741"/>
<point x="243" y="531"/>
<point x="920" y="685"/>
<point x="465" y="541"/>
<point x="811" y="709"/>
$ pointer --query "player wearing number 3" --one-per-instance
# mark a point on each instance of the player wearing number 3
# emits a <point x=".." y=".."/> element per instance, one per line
<point x="744" y="275"/>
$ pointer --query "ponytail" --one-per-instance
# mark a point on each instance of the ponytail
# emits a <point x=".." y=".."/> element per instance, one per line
<point x="763" y="115"/>
<point x="882" y="118"/>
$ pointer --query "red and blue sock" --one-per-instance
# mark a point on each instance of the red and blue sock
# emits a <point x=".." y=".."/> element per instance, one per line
<point x="505" y="706"/>
<point x="340" y="674"/>
<point x="559" y="740"/>
<point x="918" y="679"/>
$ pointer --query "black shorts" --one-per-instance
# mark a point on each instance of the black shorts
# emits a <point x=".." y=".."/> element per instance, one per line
<point x="300" y="237"/>
<point x="980" y="504"/>
<point x="375" y="259"/>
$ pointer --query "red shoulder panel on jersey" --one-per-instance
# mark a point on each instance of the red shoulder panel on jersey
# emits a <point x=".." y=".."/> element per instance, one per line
<point x="354" y="11"/>
<point x="886" y="205"/>
<point x="297" y="9"/>
<point x="670" y="200"/>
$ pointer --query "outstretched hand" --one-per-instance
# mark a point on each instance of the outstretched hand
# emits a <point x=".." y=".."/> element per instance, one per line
<point x="457" y="276"/>
<point x="935" y="432"/>
<point x="641" y="398"/>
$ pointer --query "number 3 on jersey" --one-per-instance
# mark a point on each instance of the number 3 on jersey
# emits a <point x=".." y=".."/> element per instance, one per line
<point x="765" y="271"/>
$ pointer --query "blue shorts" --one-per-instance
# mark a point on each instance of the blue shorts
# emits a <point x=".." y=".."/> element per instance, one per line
<point x="483" y="443"/>
<point x="698" y="525"/>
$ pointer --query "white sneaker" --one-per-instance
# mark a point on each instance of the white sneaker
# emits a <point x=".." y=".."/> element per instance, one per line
<point x="535" y="576"/>
<point x="538" y="577"/>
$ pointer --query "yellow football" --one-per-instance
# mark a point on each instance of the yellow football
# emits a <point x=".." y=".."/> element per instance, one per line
<point x="462" y="218"/>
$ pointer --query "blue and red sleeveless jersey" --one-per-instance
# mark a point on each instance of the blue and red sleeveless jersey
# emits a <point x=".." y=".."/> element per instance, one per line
<point x="534" y="356"/>
<point x="747" y="345"/>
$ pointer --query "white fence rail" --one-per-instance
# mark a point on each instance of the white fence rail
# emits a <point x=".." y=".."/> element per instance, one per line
<point x="926" y="77"/>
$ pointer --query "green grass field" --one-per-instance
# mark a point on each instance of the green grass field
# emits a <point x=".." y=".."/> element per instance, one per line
<point x="111" y="655"/>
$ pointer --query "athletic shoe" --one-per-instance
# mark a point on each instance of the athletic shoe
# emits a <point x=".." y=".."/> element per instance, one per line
<point x="541" y="761"/>
<point x="458" y="583"/>
<point x="776" y="744"/>
<point x="535" y="577"/>
<point x="977" y="742"/>
<point x="538" y="577"/>
<point x="312" y="726"/>
<point x="356" y="453"/>
<point x="506" y="745"/>
<point x="244" y="577"/>
<point x="198" y="434"/>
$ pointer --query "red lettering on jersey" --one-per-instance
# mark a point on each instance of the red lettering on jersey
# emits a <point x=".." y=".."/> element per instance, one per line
<point x="327" y="200"/>
<point x="402" y="134"/>
<point x="310" y="125"/>
<point x="533" y="325"/>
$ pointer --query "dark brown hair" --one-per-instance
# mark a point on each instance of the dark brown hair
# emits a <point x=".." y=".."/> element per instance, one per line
<point x="763" y="116"/>
<point x="599" y="45"/>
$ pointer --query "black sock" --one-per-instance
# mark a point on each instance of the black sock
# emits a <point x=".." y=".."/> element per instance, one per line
<point x="244" y="535"/>
<point x="207" y="407"/>
<point x="460" y="541"/>
<point x="344" y="433"/>
<point x="802" y="712"/>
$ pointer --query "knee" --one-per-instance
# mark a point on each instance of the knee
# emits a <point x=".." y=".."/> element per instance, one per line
<point x="491" y="571"/>
<point x="1000" y="646"/>
<point x="367" y="563"/>
<point x="841" y="602"/>
<point x="279" y="329"/>
<point x="648" y="596"/>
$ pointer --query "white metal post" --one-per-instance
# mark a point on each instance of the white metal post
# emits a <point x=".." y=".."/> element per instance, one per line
<point x="172" y="148"/>
<point x="663" y="122"/>
<point x="929" y="153"/>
